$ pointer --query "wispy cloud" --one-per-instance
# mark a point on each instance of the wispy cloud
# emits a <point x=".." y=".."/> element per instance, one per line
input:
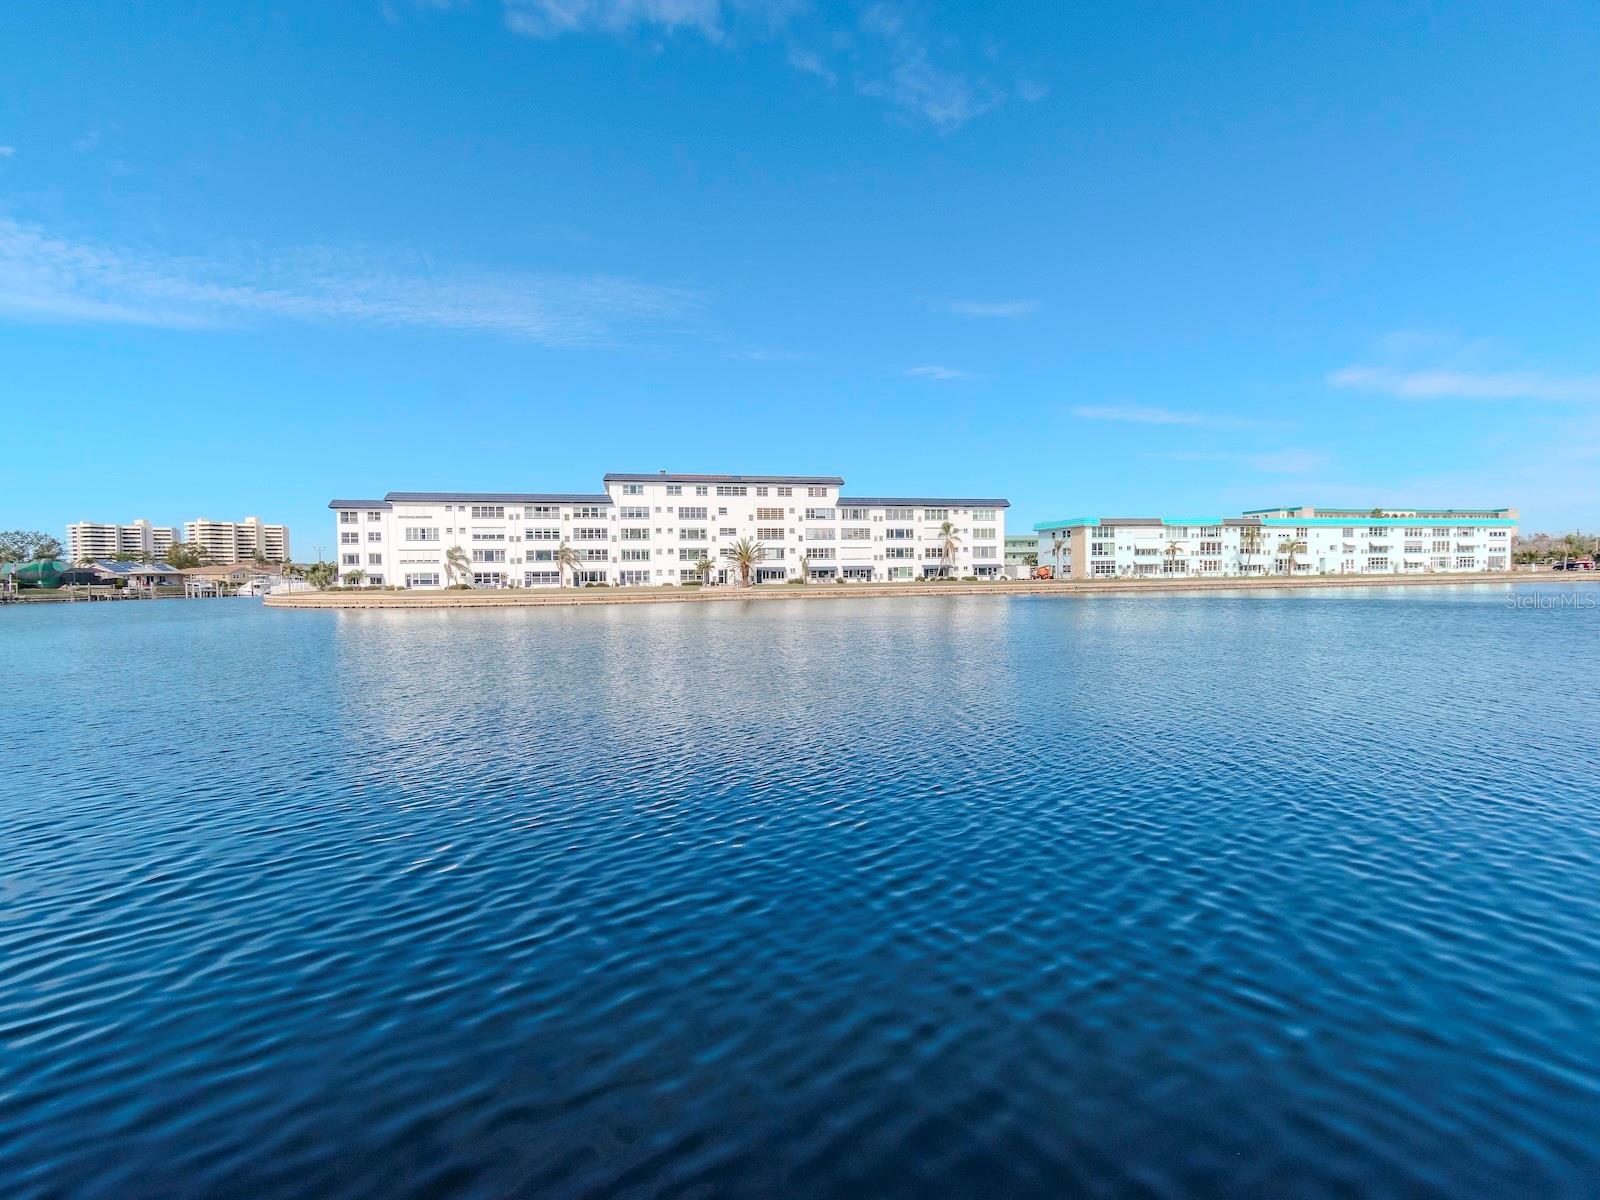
<point x="888" y="53"/>
<point x="992" y="308"/>
<point x="1142" y="415"/>
<point x="946" y="98"/>
<point x="44" y="277"/>
<point x="768" y="356"/>
<point x="1468" y="385"/>
<point x="7" y="151"/>
<point x="1273" y="462"/>
<point x="935" y="371"/>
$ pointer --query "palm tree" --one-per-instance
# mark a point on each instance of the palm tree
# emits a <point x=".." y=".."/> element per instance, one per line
<point x="355" y="578"/>
<point x="805" y="568"/>
<point x="1249" y="544"/>
<point x="567" y="558"/>
<point x="456" y="565"/>
<point x="1290" y="547"/>
<point x="745" y="554"/>
<point x="320" y="574"/>
<point x="705" y="566"/>
<point x="949" y="543"/>
<point x="1058" y="543"/>
<point x="1174" y="553"/>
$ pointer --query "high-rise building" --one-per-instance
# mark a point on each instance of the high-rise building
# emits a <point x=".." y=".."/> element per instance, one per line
<point x="88" y="540"/>
<point x="238" y="541"/>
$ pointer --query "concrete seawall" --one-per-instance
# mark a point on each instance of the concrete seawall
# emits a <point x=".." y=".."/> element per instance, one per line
<point x="534" y="598"/>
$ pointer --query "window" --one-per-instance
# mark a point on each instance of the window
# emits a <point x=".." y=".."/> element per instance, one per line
<point x="819" y="514"/>
<point x="635" y="534"/>
<point x="817" y="492"/>
<point x="592" y="556"/>
<point x="1301" y="532"/>
<point x="488" y="512"/>
<point x="1379" y="563"/>
<point x="727" y="531"/>
<point x="983" y="514"/>
<point x="899" y="514"/>
<point x="1442" y="532"/>
<point x="544" y="512"/>
<point x="633" y="578"/>
<point x="589" y="512"/>
<point x="1210" y="531"/>
<point x="732" y="489"/>
<point x="636" y="556"/>
<point x="693" y="535"/>
<point x="1349" y="531"/>
<point x="1466" y="563"/>
<point x="540" y="578"/>
<point x="772" y="553"/>
<point x="819" y="535"/>
<point x="821" y="553"/>
<point x="374" y="516"/>
<point x="692" y="514"/>
<point x="543" y="535"/>
<point x="350" y="560"/>
<point x="986" y="551"/>
<point x="349" y="537"/>
<point x="422" y="579"/>
<point x="761" y="491"/>
<point x="1103" y="569"/>
<point x="488" y="556"/>
<point x="900" y="572"/>
<point x="1441" y="546"/>
<point x="983" y="533"/>
<point x="674" y="489"/>
<point x="349" y="518"/>
<point x="541" y="556"/>
<point x="374" y="535"/>
<point x="899" y="535"/>
<point x="690" y="553"/>
<point x="769" y="514"/>
<point x="699" y="489"/>
<point x="374" y="560"/>
<point x="1376" y="531"/>
<point x="786" y="491"/>
<point x="853" y="514"/>
<point x="634" y="514"/>
<point x="487" y="579"/>
<point x="770" y="535"/>
<point x="588" y="534"/>
<point x="1210" y="547"/>
<point x="857" y="533"/>
<point x="899" y="552"/>
<point x="417" y="533"/>
<point x="633" y="489"/>
<point x="495" y="536"/>
<point x="936" y="514"/>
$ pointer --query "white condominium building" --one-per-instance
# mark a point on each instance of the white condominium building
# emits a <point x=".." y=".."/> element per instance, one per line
<point x="88" y="540"/>
<point x="654" y="529"/>
<point x="1282" y="541"/>
<point x="238" y="541"/>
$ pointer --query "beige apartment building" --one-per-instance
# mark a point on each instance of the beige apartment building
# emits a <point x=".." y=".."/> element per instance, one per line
<point x="238" y="541"/>
<point x="88" y="540"/>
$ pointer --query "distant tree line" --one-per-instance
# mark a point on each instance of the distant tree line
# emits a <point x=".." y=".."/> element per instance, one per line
<point x="27" y="545"/>
<point x="1548" y="548"/>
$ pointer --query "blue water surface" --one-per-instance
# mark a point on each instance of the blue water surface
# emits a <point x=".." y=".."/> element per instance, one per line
<point x="1250" y="895"/>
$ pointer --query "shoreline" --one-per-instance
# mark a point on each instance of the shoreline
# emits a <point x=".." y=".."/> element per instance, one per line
<point x="530" y="598"/>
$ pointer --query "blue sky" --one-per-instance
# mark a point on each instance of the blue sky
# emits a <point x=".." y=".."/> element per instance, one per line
<point x="1099" y="259"/>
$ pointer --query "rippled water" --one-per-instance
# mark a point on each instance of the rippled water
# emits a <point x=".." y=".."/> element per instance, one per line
<point x="1157" y="896"/>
